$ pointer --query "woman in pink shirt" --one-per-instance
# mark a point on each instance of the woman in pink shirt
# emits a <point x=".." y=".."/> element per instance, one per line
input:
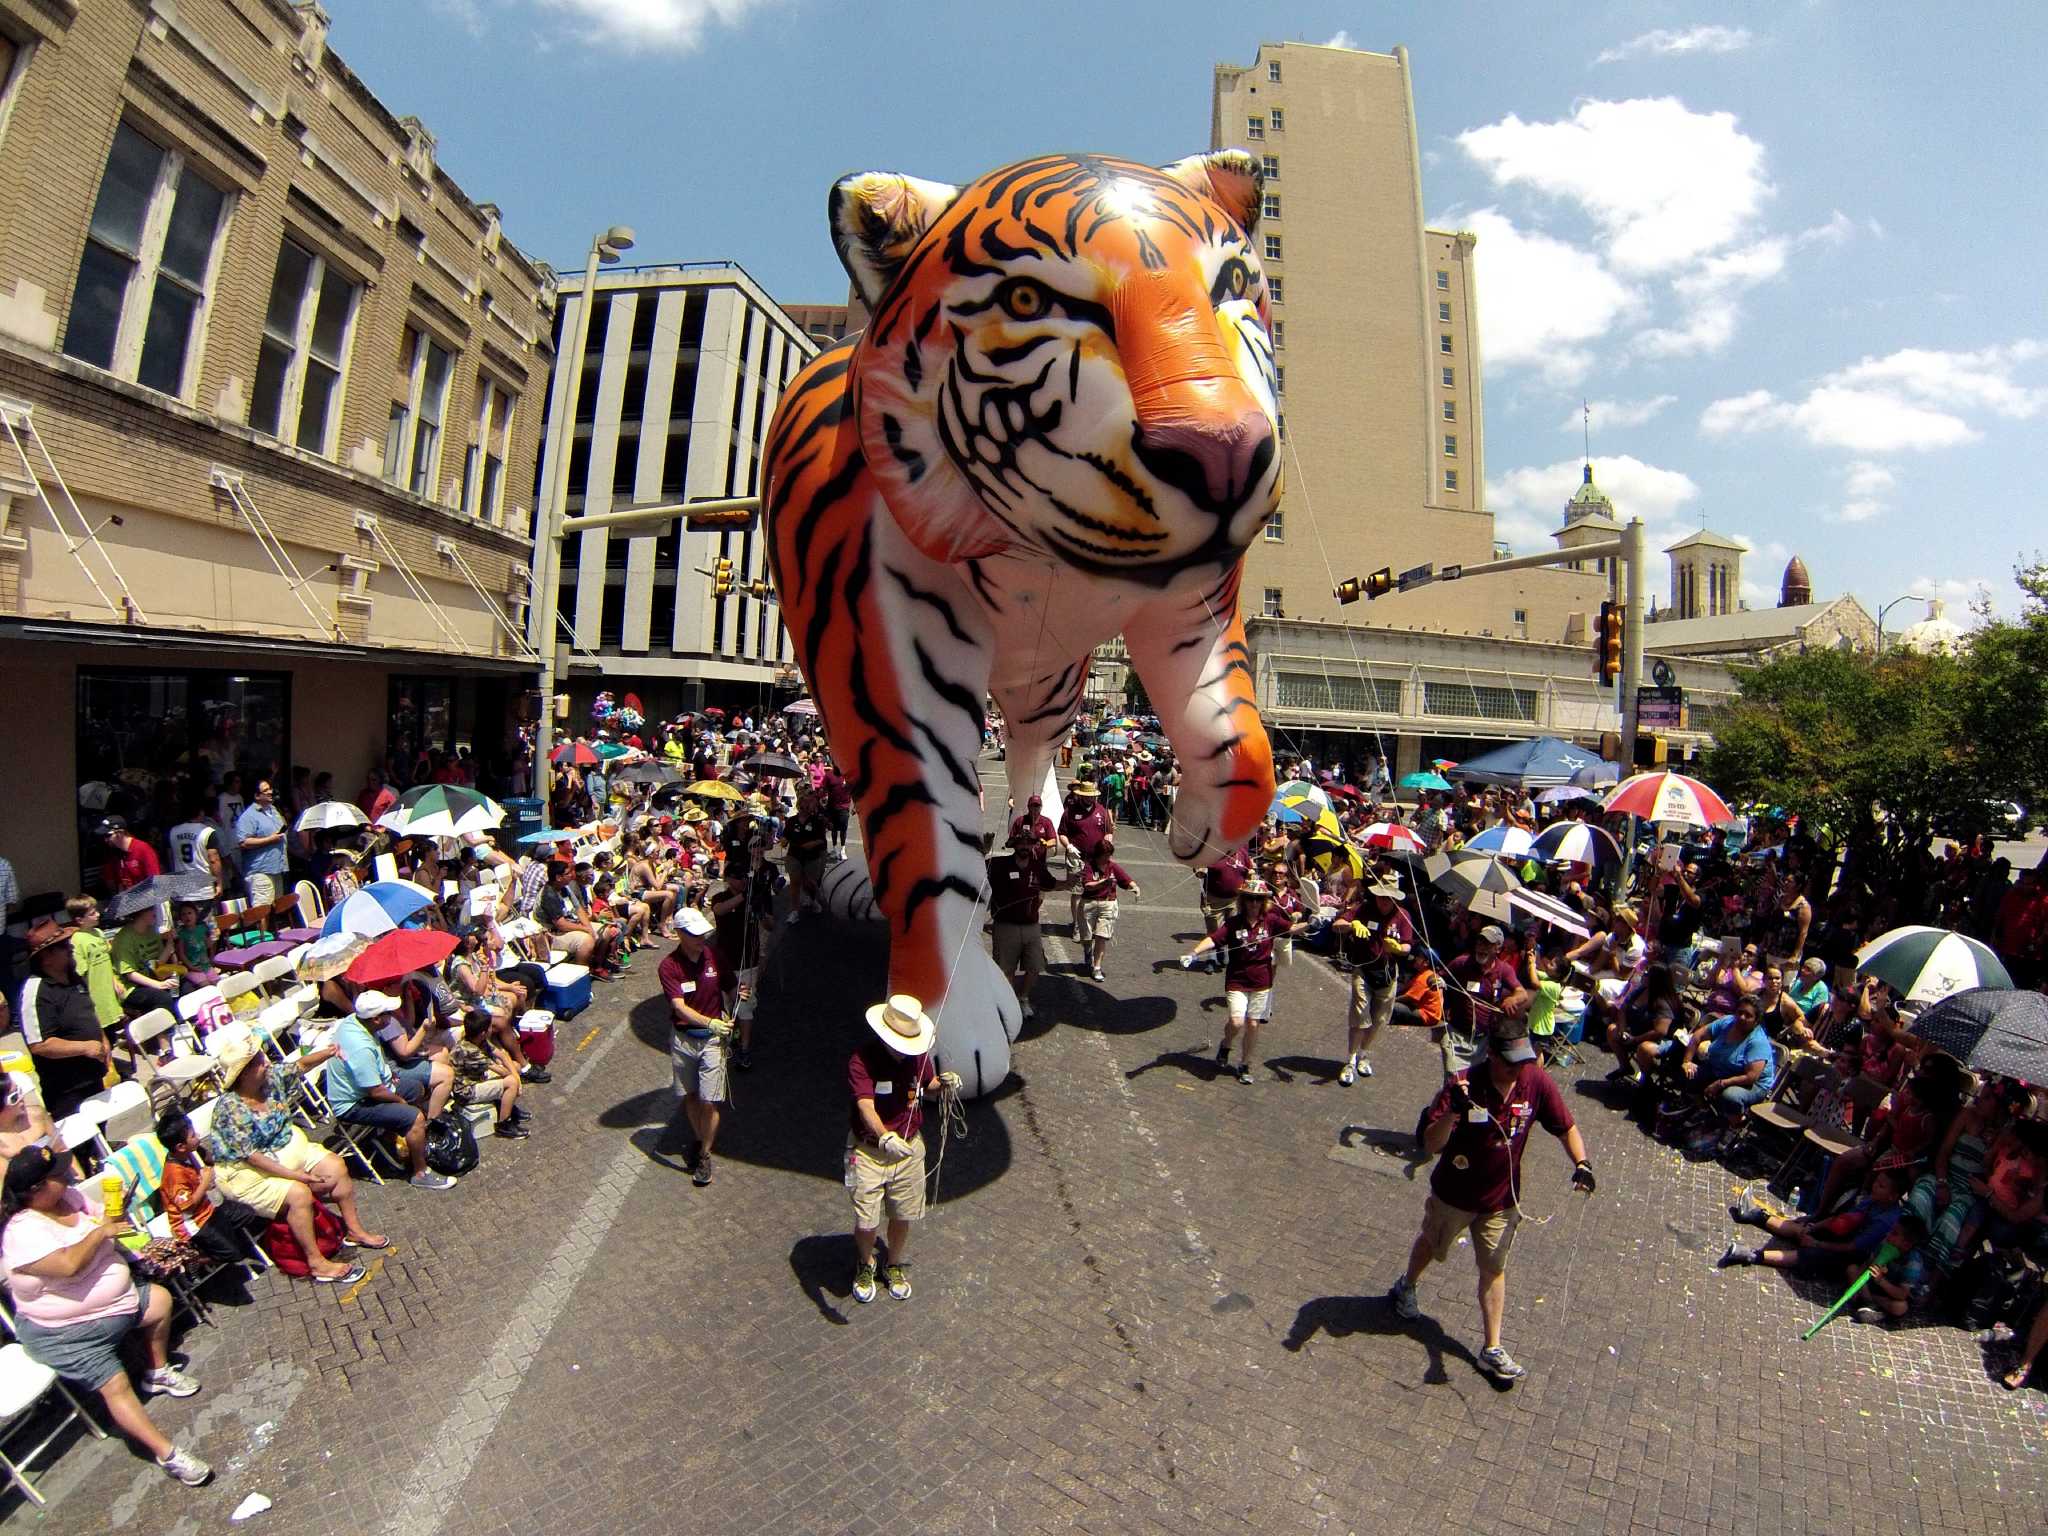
<point x="76" y="1304"/>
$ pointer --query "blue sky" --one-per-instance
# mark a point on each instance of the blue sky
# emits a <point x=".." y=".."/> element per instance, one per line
<point x="1793" y="253"/>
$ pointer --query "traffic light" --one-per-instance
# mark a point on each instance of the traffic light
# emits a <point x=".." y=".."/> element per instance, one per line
<point x="721" y="578"/>
<point x="764" y="590"/>
<point x="1380" y="582"/>
<point x="1607" y="641"/>
<point x="1350" y="590"/>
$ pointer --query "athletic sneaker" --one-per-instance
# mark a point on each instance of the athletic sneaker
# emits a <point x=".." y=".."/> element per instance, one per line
<point x="520" y="1114"/>
<point x="537" y="1075"/>
<point x="701" y="1175"/>
<point x="512" y="1130"/>
<point x="169" y="1381"/>
<point x="864" y="1282"/>
<point x="1871" y="1316"/>
<point x="897" y="1278"/>
<point x="1364" y="1067"/>
<point x="1736" y="1255"/>
<point x="1097" y="973"/>
<point x="185" y="1467"/>
<point x="432" y="1180"/>
<point x="1244" y="1074"/>
<point x="743" y="1060"/>
<point x="1350" y="1073"/>
<point x="1500" y="1365"/>
<point x="1403" y="1300"/>
<point x="1748" y="1212"/>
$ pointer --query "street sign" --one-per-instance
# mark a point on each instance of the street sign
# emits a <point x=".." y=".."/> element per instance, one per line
<point x="1417" y="575"/>
<point x="1659" y="709"/>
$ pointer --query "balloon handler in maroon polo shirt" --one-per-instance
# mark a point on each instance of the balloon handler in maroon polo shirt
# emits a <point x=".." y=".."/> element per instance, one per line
<point x="1477" y="1128"/>
<point x="889" y="1077"/>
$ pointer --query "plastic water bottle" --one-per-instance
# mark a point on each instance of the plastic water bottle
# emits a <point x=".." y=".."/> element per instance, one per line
<point x="1798" y="1194"/>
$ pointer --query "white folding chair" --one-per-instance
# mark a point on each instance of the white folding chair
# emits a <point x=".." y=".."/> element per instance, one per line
<point x="268" y="973"/>
<point x="145" y="1034"/>
<point x="311" y="907"/>
<point x="242" y="991"/>
<point x="122" y="1111"/>
<point x="24" y="1384"/>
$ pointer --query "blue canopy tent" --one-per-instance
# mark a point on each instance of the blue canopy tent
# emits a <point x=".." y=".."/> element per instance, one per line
<point x="1539" y="764"/>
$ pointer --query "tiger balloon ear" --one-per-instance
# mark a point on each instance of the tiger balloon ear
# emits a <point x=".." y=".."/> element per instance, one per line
<point x="877" y="219"/>
<point x="1231" y="178"/>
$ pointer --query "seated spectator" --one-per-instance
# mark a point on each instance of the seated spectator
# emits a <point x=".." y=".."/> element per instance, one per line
<point x="485" y="1073"/>
<point x="1782" y="1017"/>
<point x="421" y="1030"/>
<point x="501" y="996"/>
<point x="567" y="926"/>
<point x="1617" y="952"/>
<point x="1839" y="1246"/>
<point x="262" y="1158"/>
<point x="23" y="1122"/>
<point x="1809" y="989"/>
<point x="198" y="1213"/>
<point x="136" y="950"/>
<point x="1640" y="1021"/>
<point x="364" y="1089"/>
<point x="1911" y="1124"/>
<point x="1732" y="975"/>
<point x="193" y="936"/>
<point x="77" y="1304"/>
<point x="1731" y="1064"/>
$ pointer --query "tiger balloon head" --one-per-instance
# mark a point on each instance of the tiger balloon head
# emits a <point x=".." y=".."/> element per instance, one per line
<point x="1070" y="355"/>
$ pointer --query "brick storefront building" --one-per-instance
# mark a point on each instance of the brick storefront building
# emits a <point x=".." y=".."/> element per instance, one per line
<point x="270" y="398"/>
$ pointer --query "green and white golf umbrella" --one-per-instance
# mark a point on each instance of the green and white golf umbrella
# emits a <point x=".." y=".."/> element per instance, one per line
<point x="448" y="810"/>
<point x="1924" y="964"/>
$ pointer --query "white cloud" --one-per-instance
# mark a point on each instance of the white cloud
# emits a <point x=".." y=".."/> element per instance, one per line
<point x="676" y="26"/>
<point x="1666" y="185"/>
<point x="1710" y="296"/>
<point x="1906" y="401"/>
<point x="468" y="14"/>
<point x="1618" y="414"/>
<point x="1343" y="39"/>
<point x="1864" y="478"/>
<point x="1544" y="298"/>
<point x="1857" y="510"/>
<point x="1528" y="504"/>
<point x="1668" y="43"/>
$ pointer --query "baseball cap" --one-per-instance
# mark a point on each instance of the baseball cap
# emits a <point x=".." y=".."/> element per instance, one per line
<point x="1510" y="1038"/>
<point x="694" y="923"/>
<point x="1491" y="934"/>
<point x="374" y="1005"/>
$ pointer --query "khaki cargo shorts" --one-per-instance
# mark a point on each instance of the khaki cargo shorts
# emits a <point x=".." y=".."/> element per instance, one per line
<point x="1098" y="921"/>
<point x="882" y="1188"/>
<point x="1493" y="1234"/>
<point x="1019" y="946"/>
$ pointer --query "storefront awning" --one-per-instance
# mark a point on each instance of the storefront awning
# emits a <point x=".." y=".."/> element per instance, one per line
<point x="174" y="642"/>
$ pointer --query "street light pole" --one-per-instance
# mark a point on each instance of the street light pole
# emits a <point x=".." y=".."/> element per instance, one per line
<point x="547" y="544"/>
<point x="1632" y="583"/>
<point x="1904" y="597"/>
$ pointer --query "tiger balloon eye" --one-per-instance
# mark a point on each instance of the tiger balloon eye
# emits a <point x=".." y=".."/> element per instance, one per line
<point x="1238" y="282"/>
<point x="1024" y="301"/>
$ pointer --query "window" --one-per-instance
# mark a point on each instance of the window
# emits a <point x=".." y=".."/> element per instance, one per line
<point x="1450" y="479"/>
<point x="1279" y="381"/>
<point x="304" y="348"/>
<point x="1269" y="166"/>
<point x="483" y="469"/>
<point x="1275" y="532"/>
<point x="1279" y="334"/>
<point x="142" y="283"/>
<point x="1450" y="445"/>
<point x="1255" y="127"/>
<point x="1272" y="247"/>
<point x="1310" y="690"/>
<point x="1275" y="291"/>
<point x="412" y="443"/>
<point x="1273" y="70"/>
<point x="1443" y="343"/>
<point x="1279" y="121"/>
<point x="1443" y="313"/>
<point x="1522" y="617"/>
<point x="1479" y="701"/>
<point x="1272" y="609"/>
<point x="1280" y="421"/>
<point x="1272" y="206"/>
<point x="1443" y="281"/>
<point x="1450" y="378"/>
<point x="1450" y="410"/>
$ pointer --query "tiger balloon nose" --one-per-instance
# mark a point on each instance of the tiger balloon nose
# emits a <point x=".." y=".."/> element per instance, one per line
<point x="1216" y="465"/>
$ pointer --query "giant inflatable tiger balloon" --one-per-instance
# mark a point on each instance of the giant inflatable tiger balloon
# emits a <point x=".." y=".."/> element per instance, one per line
<point x="1059" y="426"/>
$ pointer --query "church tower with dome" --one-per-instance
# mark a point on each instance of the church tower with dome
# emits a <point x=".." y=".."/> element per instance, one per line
<point x="1796" y="591"/>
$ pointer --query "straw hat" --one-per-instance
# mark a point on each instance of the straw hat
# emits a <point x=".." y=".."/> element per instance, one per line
<point x="1255" y="888"/>
<point x="903" y="1025"/>
<point x="1084" y="788"/>
<point x="1391" y="889"/>
<point x="235" y="1056"/>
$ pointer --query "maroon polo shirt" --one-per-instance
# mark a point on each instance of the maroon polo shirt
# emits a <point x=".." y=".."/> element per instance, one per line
<point x="1087" y="830"/>
<point x="1220" y="881"/>
<point x="1248" y="950"/>
<point x="697" y="982"/>
<point x="1479" y="1165"/>
<point x="894" y="1082"/>
<point x="1014" y="890"/>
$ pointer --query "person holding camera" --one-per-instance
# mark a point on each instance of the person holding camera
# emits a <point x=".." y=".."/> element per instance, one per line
<point x="1477" y="1129"/>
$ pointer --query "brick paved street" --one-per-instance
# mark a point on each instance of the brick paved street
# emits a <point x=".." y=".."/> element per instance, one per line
<point x="1147" y="1301"/>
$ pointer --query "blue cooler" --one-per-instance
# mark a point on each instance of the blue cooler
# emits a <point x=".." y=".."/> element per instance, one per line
<point x="568" y="990"/>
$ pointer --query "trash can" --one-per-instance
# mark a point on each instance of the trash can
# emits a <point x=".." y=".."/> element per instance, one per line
<point x="522" y="816"/>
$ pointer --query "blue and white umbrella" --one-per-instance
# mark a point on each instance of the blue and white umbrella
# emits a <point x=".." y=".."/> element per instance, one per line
<point x="1504" y="838"/>
<point x="1577" y="842"/>
<point x="378" y="907"/>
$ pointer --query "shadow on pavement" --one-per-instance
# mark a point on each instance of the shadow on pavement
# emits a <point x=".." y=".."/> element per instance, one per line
<point x="1089" y="1005"/>
<point x="1342" y="1316"/>
<point x="790" y="1111"/>
<point x="824" y="1268"/>
<point x="1390" y="1144"/>
<point x="1321" y="1068"/>
<point x="1197" y="1061"/>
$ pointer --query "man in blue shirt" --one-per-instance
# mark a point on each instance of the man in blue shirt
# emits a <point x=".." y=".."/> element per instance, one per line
<point x="1732" y="1062"/>
<point x="259" y="832"/>
<point x="363" y="1088"/>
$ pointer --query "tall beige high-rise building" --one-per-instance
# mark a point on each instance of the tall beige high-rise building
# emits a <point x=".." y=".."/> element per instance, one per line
<point x="1375" y="328"/>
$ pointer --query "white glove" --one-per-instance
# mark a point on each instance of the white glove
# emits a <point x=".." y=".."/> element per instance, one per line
<point x="1187" y="962"/>
<point x="893" y="1148"/>
<point x="949" y="1082"/>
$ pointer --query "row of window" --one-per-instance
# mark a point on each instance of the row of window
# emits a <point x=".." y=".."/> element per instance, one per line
<point x="1255" y="127"/>
<point x="1382" y="695"/>
<point x="139" y="311"/>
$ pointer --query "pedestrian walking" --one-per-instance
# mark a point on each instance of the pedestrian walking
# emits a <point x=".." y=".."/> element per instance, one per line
<point x="1101" y="878"/>
<point x="1016" y="888"/>
<point x="1373" y="938"/>
<point x="1245" y="940"/>
<point x="888" y="1078"/>
<point x="694" y="985"/>
<point x="1477" y="1129"/>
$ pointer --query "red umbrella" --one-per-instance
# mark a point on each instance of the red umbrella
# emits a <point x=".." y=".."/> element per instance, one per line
<point x="400" y="951"/>
<point x="1670" y="797"/>
<point x="714" y="710"/>
<point x="1346" y="792"/>
<point x="1393" y="837"/>
<point x="576" y="752"/>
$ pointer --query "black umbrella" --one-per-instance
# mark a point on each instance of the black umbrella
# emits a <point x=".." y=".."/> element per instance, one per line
<point x="1990" y="1029"/>
<point x="773" y="765"/>
<point x="183" y="885"/>
<point x="647" y="773"/>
